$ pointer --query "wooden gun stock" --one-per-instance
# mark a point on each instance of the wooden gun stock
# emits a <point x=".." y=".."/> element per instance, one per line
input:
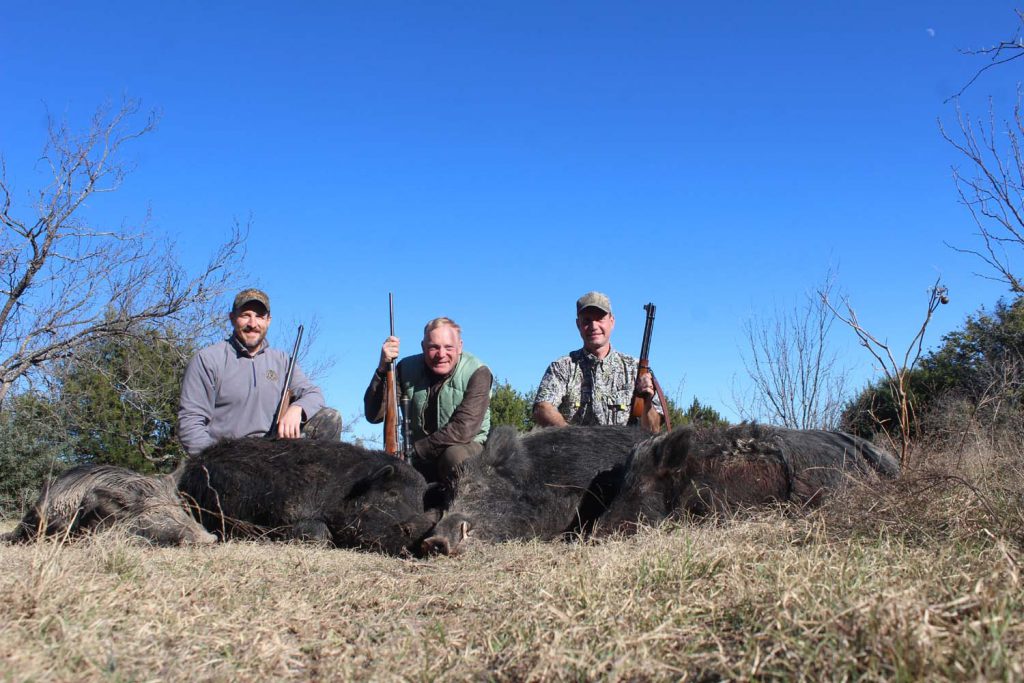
<point x="391" y="413"/>
<point x="640" y="404"/>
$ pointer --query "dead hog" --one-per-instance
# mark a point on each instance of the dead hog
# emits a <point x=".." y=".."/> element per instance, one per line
<point x="335" y="493"/>
<point x="699" y="471"/>
<point x="95" y="497"/>
<point x="545" y="484"/>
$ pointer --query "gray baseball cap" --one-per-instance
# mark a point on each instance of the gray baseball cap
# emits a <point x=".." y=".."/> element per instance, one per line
<point x="594" y="300"/>
<point x="251" y="294"/>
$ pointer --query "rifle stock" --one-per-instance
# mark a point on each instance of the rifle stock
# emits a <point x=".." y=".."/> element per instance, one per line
<point x="391" y="412"/>
<point x="640" y="404"/>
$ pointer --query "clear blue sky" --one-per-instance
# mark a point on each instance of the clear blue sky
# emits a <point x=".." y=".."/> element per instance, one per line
<point x="493" y="161"/>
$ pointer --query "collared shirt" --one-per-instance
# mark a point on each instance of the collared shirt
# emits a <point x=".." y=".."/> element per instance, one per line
<point x="588" y="390"/>
<point x="226" y="393"/>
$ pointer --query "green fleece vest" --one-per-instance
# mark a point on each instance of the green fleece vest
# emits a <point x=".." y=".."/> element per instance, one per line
<point x="415" y="379"/>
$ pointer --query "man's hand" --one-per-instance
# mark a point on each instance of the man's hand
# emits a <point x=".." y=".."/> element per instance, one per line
<point x="290" y="426"/>
<point x="546" y="415"/>
<point x="388" y="352"/>
<point x="645" y="386"/>
<point x="650" y="419"/>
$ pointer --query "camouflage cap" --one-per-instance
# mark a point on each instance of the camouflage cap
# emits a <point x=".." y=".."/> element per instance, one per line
<point x="594" y="300"/>
<point x="251" y="294"/>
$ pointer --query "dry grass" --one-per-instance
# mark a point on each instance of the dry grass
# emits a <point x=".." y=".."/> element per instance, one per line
<point x="918" y="582"/>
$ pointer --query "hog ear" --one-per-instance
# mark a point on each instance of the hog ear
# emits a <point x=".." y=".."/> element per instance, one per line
<point x="364" y="484"/>
<point x="108" y="501"/>
<point x="669" y="451"/>
<point x="383" y="473"/>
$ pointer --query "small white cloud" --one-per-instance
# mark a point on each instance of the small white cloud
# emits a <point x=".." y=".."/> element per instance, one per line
<point x="931" y="32"/>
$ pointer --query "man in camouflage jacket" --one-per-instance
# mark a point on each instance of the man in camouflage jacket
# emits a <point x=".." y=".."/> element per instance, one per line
<point x="594" y="385"/>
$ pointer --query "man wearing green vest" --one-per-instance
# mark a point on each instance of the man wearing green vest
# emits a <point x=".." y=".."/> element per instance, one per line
<point x="449" y="394"/>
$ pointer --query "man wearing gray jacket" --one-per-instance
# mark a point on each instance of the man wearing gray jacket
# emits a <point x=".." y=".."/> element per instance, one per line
<point x="232" y="388"/>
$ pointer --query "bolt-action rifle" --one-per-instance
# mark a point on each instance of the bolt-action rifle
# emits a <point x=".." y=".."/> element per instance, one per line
<point x="286" y="393"/>
<point x="391" y="433"/>
<point x="641" y="404"/>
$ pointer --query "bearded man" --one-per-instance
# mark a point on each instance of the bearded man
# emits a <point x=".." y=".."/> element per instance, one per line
<point x="232" y="388"/>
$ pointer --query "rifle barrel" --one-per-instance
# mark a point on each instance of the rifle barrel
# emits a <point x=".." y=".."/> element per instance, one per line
<point x="282" y="403"/>
<point x="391" y="311"/>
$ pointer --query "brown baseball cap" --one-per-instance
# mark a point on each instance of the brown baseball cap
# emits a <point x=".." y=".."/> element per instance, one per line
<point x="594" y="300"/>
<point x="251" y="294"/>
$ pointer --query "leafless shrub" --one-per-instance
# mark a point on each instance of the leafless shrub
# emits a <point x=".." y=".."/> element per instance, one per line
<point x="797" y="379"/>
<point x="894" y="368"/>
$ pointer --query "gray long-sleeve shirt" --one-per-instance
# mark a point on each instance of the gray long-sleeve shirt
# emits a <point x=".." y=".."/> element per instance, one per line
<point x="227" y="394"/>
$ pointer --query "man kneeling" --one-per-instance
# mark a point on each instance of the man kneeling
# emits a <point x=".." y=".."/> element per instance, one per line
<point x="450" y="394"/>
<point x="232" y="388"/>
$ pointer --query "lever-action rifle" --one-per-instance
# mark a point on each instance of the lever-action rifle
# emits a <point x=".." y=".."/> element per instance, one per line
<point x="286" y="394"/>
<point x="642" y="404"/>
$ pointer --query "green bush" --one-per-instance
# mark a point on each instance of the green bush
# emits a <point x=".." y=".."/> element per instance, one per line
<point x="32" y="446"/>
<point x="509" y="407"/>
<point x="696" y="414"/>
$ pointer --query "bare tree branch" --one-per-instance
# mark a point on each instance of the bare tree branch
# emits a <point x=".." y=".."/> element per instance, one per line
<point x="65" y="282"/>
<point x="1003" y="52"/>
<point x="992" y="189"/>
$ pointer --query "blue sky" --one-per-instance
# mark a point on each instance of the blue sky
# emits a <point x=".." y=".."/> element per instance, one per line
<point x="493" y="161"/>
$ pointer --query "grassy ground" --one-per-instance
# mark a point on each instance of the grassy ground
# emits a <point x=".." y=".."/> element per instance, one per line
<point x="918" y="582"/>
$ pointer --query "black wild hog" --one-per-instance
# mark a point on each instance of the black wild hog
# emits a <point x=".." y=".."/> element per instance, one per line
<point x="95" y="497"/>
<point x="544" y="484"/>
<point x="823" y="461"/>
<point x="702" y="470"/>
<point x="335" y="493"/>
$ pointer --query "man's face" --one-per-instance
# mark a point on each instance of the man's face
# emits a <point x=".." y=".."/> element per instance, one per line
<point x="442" y="349"/>
<point x="595" y="328"/>
<point x="251" y="324"/>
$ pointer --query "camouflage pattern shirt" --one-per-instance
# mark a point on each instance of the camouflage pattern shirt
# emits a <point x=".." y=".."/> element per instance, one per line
<point x="588" y="390"/>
